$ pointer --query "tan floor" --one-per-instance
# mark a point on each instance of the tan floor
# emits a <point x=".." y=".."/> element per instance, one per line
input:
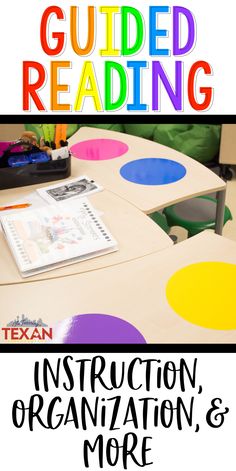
<point x="230" y="227"/>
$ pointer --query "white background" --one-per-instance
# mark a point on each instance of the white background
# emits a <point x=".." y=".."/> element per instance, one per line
<point x="171" y="449"/>
<point x="20" y="41"/>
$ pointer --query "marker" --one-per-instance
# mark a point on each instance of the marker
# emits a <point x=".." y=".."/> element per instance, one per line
<point x="60" y="134"/>
<point x="15" y="206"/>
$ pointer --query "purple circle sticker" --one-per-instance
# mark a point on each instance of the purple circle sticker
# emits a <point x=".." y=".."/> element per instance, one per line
<point x="96" y="328"/>
<point x="99" y="149"/>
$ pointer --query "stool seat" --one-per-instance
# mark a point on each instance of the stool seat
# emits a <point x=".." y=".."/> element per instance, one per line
<point x="160" y="219"/>
<point x="195" y="215"/>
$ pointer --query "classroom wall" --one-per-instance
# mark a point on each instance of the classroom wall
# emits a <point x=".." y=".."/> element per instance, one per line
<point x="228" y="144"/>
<point x="10" y="131"/>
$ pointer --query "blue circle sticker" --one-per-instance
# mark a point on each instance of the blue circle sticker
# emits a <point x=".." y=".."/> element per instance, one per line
<point x="153" y="171"/>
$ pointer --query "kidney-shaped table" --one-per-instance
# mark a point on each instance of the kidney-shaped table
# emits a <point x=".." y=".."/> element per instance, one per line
<point x="182" y="294"/>
<point x="148" y="175"/>
<point x="149" y="289"/>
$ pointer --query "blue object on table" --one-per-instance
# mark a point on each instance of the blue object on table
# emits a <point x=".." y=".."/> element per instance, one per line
<point x="19" y="161"/>
<point x="26" y="159"/>
<point x="153" y="171"/>
<point x="39" y="157"/>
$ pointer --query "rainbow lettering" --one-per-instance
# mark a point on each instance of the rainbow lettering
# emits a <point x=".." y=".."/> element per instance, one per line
<point x="130" y="76"/>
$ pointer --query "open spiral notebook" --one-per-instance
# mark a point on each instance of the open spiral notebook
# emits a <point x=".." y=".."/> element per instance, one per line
<point x="56" y="235"/>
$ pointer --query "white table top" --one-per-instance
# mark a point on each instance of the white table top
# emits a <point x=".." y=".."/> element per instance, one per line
<point x="198" y="180"/>
<point x="134" y="291"/>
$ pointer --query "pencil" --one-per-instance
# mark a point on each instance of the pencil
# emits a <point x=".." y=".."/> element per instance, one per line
<point x="15" y="206"/>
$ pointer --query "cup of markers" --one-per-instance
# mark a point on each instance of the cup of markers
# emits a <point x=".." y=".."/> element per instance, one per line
<point x="24" y="163"/>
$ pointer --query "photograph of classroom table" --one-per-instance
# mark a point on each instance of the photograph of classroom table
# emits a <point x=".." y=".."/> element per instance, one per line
<point x="168" y="293"/>
<point x="197" y="180"/>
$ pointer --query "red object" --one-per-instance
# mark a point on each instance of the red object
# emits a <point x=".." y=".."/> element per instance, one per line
<point x="15" y="206"/>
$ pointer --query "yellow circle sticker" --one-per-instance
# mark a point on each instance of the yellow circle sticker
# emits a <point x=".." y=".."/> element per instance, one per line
<point x="204" y="294"/>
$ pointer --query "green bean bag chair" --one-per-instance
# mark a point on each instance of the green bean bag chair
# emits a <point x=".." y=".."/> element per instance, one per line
<point x="199" y="141"/>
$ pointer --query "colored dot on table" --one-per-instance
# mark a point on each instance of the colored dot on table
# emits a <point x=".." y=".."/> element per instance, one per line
<point x="99" y="149"/>
<point x="153" y="171"/>
<point x="203" y="294"/>
<point x="96" y="328"/>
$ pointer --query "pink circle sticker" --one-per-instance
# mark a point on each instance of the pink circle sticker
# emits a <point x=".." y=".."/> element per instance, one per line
<point x="99" y="149"/>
